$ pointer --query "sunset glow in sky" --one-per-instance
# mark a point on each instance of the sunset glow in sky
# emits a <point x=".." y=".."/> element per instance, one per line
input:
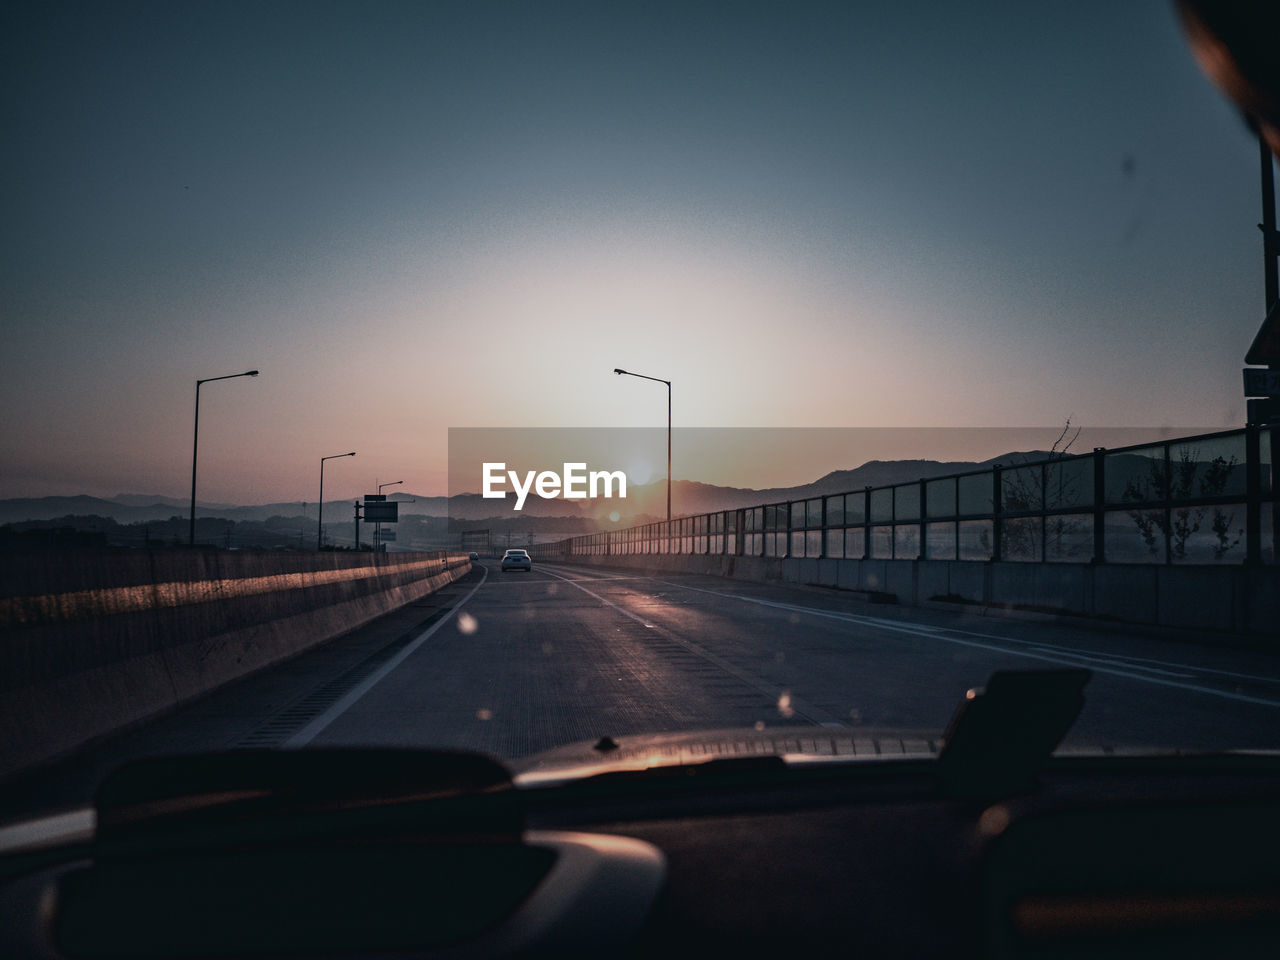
<point x="417" y="216"/>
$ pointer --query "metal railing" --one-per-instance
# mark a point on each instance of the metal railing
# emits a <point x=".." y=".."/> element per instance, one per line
<point x="1208" y="499"/>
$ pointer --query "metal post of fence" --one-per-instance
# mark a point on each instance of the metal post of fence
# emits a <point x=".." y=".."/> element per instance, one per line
<point x="923" y="552"/>
<point x="789" y="530"/>
<point x="1099" y="500"/>
<point x="1044" y="519"/>
<point x="996" y="525"/>
<point x="1253" y="496"/>
<point x="866" y="522"/>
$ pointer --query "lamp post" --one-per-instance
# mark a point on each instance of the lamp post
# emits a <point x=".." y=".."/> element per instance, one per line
<point x="627" y="373"/>
<point x="320" y="505"/>
<point x="377" y="527"/>
<point x="195" y="446"/>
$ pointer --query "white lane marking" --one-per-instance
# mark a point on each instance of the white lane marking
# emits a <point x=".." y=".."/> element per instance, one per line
<point x="1062" y="657"/>
<point x="607" y="603"/>
<point x="587" y="576"/>
<point x="1123" y="659"/>
<point x="1134" y="660"/>
<point x="802" y="708"/>
<point x="599" y="579"/>
<point x="1119" y="659"/>
<point x="316" y="726"/>
<point x="1044" y="646"/>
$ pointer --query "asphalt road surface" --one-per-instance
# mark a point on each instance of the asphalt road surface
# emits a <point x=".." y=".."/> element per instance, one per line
<point x="515" y="663"/>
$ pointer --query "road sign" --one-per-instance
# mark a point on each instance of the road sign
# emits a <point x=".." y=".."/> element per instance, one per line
<point x="1266" y="345"/>
<point x="1262" y="411"/>
<point x="1260" y="382"/>
<point x="385" y="536"/>
<point x="384" y="512"/>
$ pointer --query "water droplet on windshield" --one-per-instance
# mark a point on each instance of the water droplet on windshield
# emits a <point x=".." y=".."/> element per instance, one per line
<point x="994" y="820"/>
<point x="484" y="714"/>
<point x="466" y="624"/>
<point x="784" y="705"/>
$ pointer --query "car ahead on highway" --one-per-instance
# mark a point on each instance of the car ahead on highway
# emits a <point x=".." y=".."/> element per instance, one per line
<point x="473" y="555"/>
<point x="517" y="560"/>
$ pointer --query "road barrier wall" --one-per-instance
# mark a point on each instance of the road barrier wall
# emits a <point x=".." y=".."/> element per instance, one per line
<point x="1183" y="532"/>
<point x="1213" y="600"/>
<point x="94" y="641"/>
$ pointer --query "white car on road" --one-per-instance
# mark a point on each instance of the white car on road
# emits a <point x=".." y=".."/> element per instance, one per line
<point x="517" y="560"/>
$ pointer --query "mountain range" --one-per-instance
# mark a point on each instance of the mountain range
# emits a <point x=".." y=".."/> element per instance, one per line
<point x="687" y="497"/>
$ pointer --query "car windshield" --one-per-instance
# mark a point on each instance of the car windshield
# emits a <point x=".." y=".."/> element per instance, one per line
<point x="865" y="351"/>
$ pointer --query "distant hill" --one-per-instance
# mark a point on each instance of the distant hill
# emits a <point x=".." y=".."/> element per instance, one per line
<point x="687" y="497"/>
<point x="155" y="499"/>
<point x="49" y="508"/>
<point x="691" y="497"/>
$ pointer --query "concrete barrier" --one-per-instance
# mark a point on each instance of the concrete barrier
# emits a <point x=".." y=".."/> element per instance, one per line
<point x="92" y="642"/>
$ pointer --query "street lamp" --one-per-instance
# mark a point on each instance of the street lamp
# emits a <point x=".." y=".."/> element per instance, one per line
<point x="627" y="373"/>
<point x="377" y="527"/>
<point x="195" y="442"/>
<point x="320" y="511"/>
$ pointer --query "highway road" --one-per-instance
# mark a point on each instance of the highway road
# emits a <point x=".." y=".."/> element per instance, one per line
<point x="515" y="663"/>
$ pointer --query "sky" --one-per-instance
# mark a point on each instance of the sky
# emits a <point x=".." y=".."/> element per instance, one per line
<point x="412" y="217"/>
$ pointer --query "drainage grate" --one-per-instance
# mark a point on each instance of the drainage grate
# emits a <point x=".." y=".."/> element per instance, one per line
<point x="285" y="723"/>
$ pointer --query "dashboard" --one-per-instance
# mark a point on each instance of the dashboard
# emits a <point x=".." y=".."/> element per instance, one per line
<point x="439" y="855"/>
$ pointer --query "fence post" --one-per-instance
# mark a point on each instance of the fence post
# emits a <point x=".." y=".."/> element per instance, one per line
<point x="923" y="552"/>
<point x="1168" y="505"/>
<point x="790" y="505"/>
<point x="1044" y="517"/>
<point x="1253" y="497"/>
<point x="1099" y="501"/>
<point x="866" y="522"/>
<point x="996" y="525"/>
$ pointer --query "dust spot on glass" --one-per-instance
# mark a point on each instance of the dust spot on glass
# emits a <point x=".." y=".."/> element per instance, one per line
<point x="759" y="725"/>
<point x="994" y="820"/>
<point x="784" y="705"/>
<point x="779" y="657"/>
<point x="548" y="649"/>
<point x="484" y="713"/>
<point x="855" y="715"/>
<point x="553" y="589"/>
<point x="793" y="618"/>
<point x="614" y="516"/>
<point x="466" y="624"/>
